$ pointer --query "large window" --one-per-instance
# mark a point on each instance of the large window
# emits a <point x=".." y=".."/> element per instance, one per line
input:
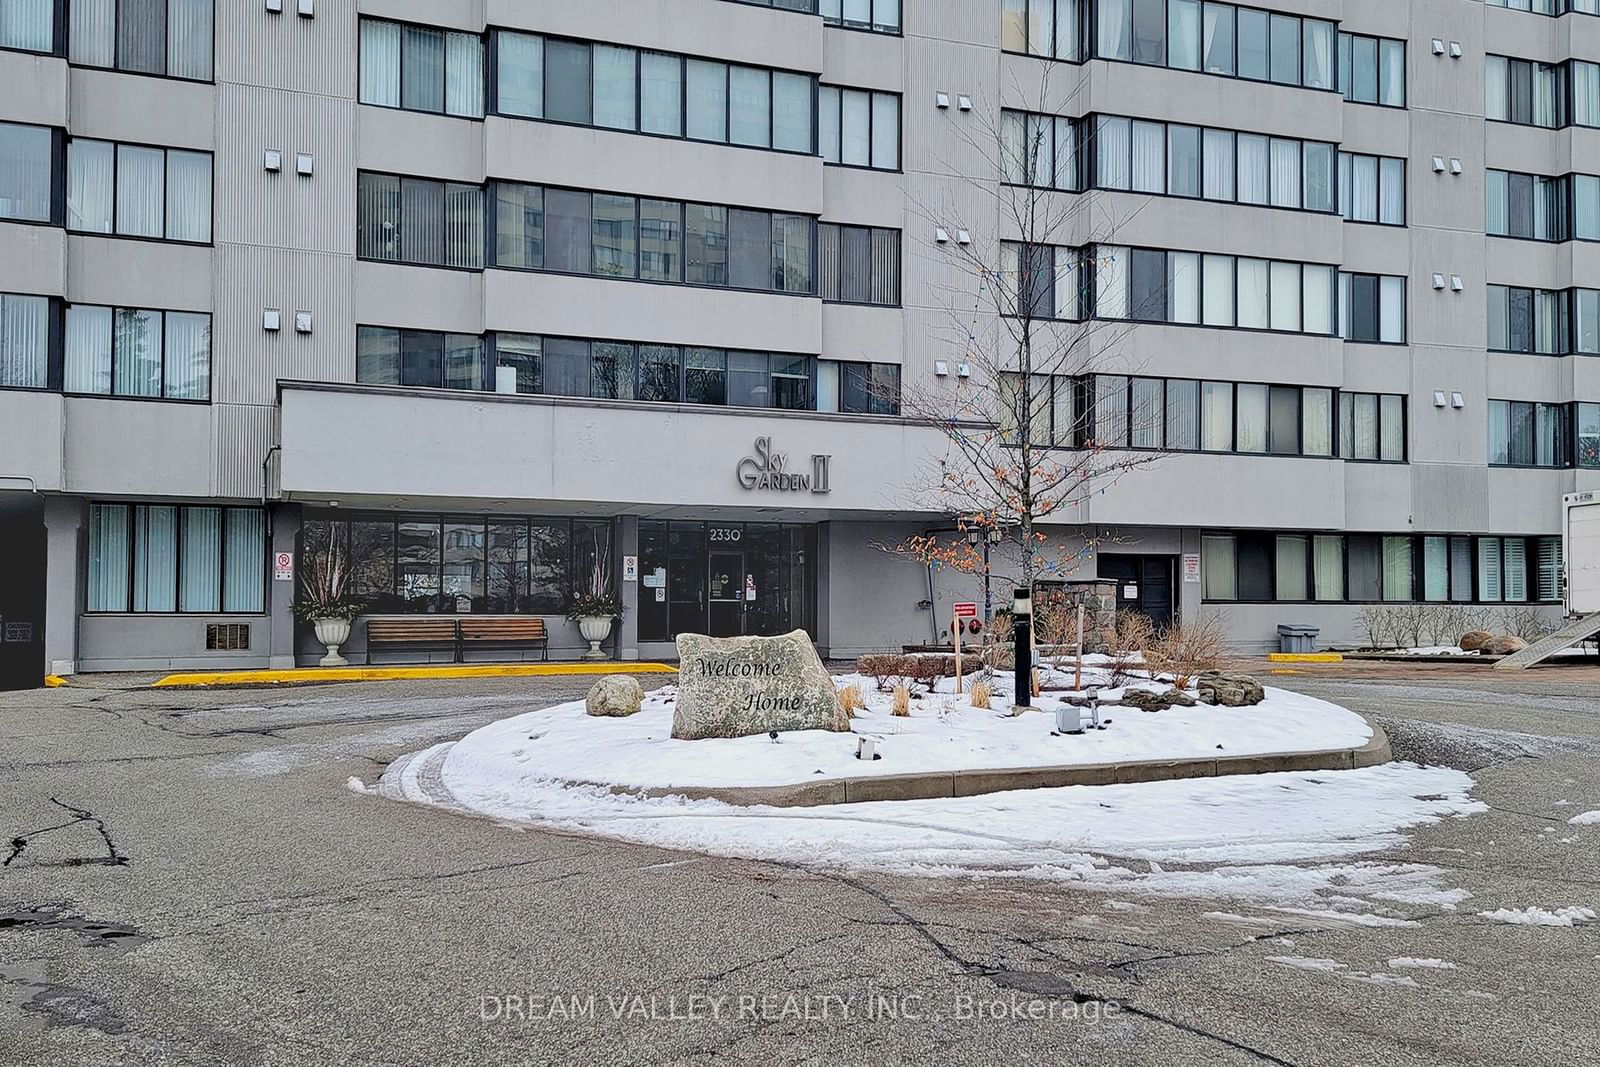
<point x="1193" y="288"/>
<point x="619" y="88"/>
<point x="419" y="221"/>
<point x="613" y="236"/>
<point x="1536" y="320"/>
<point x="858" y="127"/>
<point x="419" y="358"/>
<point x="1587" y="437"/>
<point x="137" y="352"/>
<point x="138" y="191"/>
<point x="421" y="69"/>
<point x="500" y="565"/>
<point x="1527" y="434"/>
<point x="167" y="37"/>
<point x="1372" y="426"/>
<point x="28" y="25"/>
<point x="1372" y="70"/>
<point x="27" y="173"/>
<point x="1552" y="95"/>
<point x="1372" y="308"/>
<point x="1216" y="38"/>
<point x="858" y="388"/>
<point x="1372" y="189"/>
<point x="169" y="559"/>
<point x="1540" y="208"/>
<point x="24" y="341"/>
<point x="1053" y="29"/>
<point x="858" y="264"/>
<point x="1375" y="568"/>
<point x="879" y="16"/>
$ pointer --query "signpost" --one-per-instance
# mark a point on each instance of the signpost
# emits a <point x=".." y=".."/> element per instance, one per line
<point x="962" y="610"/>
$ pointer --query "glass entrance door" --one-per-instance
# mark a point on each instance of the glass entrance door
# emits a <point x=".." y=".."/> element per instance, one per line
<point x="725" y="573"/>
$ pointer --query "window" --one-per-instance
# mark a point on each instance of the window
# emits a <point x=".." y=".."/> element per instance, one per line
<point x="1588" y="436"/>
<point x="879" y="16"/>
<point x="170" y="559"/>
<point x="27" y="170"/>
<point x="419" y="221"/>
<point x="1372" y="308"/>
<point x="859" y="128"/>
<point x="619" y="88"/>
<point x="419" y="358"/>
<point x="1372" y="189"/>
<point x="131" y="352"/>
<point x="1536" y="94"/>
<point x="25" y="323"/>
<point x="1149" y="285"/>
<point x="421" y="69"/>
<point x="168" y="37"/>
<point x="28" y="25"/>
<point x="858" y="388"/>
<point x="1527" y="434"/>
<point x="1372" y="426"/>
<point x="1372" y="70"/>
<point x="138" y="191"/>
<point x="1533" y="320"/>
<point x="858" y="264"/>
<point x="1536" y="207"/>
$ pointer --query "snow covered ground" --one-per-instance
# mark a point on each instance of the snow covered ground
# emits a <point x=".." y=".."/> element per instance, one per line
<point x="942" y="733"/>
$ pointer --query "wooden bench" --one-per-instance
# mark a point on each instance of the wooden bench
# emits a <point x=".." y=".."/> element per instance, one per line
<point x="520" y="631"/>
<point x="415" y="633"/>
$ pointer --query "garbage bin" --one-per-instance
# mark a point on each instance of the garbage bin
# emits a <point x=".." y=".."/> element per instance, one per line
<point x="1298" y="638"/>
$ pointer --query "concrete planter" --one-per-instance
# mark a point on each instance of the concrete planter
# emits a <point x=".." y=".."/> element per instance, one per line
<point x="332" y="633"/>
<point x="595" y="629"/>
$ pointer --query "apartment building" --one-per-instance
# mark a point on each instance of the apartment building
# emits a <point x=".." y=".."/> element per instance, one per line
<point x="481" y="291"/>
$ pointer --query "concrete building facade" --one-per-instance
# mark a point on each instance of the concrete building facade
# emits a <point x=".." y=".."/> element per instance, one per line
<point x="481" y="290"/>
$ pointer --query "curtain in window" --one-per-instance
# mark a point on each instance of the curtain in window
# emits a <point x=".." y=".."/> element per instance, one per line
<point x="1183" y="34"/>
<point x="1549" y="551"/>
<point x="142" y="36"/>
<point x="25" y="172"/>
<point x="1183" y="287"/>
<point x="1585" y="93"/>
<point x="201" y="585"/>
<point x="1216" y="416"/>
<point x="791" y="118"/>
<point x="188" y="363"/>
<point x="24" y="340"/>
<point x="1489" y="577"/>
<point x="28" y="24"/>
<point x="1251" y="435"/>
<point x="93" y="40"/>
<point x="422" y="69"/>
<point x="245" y="550"/>
<point x="136" y="353"/>
<point x="1218" y="38"/>
<point x="1111" y="410"/>
<point x="1317" y="56"/>
<point x="188" y="196"/>
<point x="189" y="33"/>
<point x="1364" y="426"/>
<point x="155" y="559"/>
<point x="828" y="110"/>
<point x="1217" y="160"/>
<point x="1316" y="422"/>
<point x="1436" y="569"/>
<point x="614" y="90"/>
<point x="855" y="128"/>
<point x="1111" y="282"/>
<point x="1253" y="170"/>
<point x="519" y="69"/>
<point x="1116" y="26"/>
<point x="1317" y="302"/>
<point x="1218" y="568"/>
<point x="1392" y="191"/>
<point x="108" y="557"/>
<point x="661" y="94"/>
<point x="87" y="350"/>
<point x="463" y="226"/>
<point x="750" y="107"/>
<point x="1327" y="563"/>
<point x="1216" y="290"/>
<point x="1112" y="153"/>
<point x="885" y="127"/>
<point x="1497" y="88"/>
<point x="708" y="100"/>
<point x="1363" y="188"/>
<point x="1183" y="415"/>
<point x="380" y="63"/>
<point x="1014" y="22"/>
<point x="1293" y="566"/>
<point x="1149" y="164"/>
<point x="1066" y="143"/>
<point x="886" y="267"/>
<point x="1392" y="309"/>
<point x="1253" y="305"/>
<point x="1147" y="415"/>
<point x="1397" y="568"/>
<point x="1286" y="296"/>
<point x="91" y="185"/>
<point x="463" y="87"/>
<point x="1285" y="173"/>
<point x="141" y="207"/>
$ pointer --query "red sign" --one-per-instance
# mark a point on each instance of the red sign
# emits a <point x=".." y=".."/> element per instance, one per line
<point x="966" y="611"/>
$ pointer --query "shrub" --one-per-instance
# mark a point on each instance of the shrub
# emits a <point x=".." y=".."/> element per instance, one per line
<point x="1187" y="651"/>
<point x="884" y="669"/>
<point x="902" y="701"/>
<point x="1131" y="634"/>
<point x="981" y="695"/>
<point x="851" y="700"/>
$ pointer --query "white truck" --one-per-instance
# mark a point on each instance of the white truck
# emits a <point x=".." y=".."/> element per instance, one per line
<point x="1580" y="545"/>
<point x="1580" y="576"/>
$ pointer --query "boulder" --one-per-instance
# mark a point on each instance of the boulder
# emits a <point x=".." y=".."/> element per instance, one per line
<point x="1473" y="640"/>
<point x="1145" y="700"/>
<point x="615" y="696"/>
<point x="1230" y="690"/>
<point x="1504" y="645"/>
<point x="738" y="686"/>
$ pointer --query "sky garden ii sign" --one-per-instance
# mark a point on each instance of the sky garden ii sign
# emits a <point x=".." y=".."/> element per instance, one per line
<point x="768" y="470"/>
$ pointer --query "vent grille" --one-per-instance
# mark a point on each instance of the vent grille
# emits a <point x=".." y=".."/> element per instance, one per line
<point x="227" y="637"/>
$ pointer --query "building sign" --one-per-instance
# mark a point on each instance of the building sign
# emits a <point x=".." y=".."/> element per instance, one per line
<point x="768" y="470"/>
<point x="630" y="568"/>
<point x="283" y="566"/>
<point x="965" y="610"/>
<point x="1191" y="566"/>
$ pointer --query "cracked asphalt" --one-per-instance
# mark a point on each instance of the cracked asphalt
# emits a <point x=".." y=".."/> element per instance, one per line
<point x="186" y="879"/>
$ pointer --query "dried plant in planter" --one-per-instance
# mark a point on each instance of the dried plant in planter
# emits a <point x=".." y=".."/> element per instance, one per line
<point x="981" y="695"/>
<point x="851" y="700"/>
<point x="1189" y="650"/>
<point x="902" y="701"/>
<point x="1132" y="634"/>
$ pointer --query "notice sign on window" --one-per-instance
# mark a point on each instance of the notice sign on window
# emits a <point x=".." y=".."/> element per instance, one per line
<point x="1191" y="566"/>
<point x="283" y="566"/>
<point x="630" y="568"/>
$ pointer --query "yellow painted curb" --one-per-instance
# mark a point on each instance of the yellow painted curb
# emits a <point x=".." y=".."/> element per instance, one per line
<point x="308" y="675"/>
<point x="1284" y="670"/>
<point x="1305" y="657"/>
<point x="54" y="681"/>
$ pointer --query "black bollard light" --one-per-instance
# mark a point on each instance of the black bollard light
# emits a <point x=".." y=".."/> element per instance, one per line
<point x="1021" y="628"/>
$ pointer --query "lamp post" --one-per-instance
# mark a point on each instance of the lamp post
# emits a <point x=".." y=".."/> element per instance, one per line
<point x="1022" y="663"/>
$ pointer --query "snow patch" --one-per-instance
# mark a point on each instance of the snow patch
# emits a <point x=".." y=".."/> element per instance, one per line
<point x="1380" y="978"/>
<point x="1306" y="963"/>
<point x="356" y="785"/>
<point x="1588" y="818"/>
<point x="1540" y="917"/>
<point x="1420" y="963"/>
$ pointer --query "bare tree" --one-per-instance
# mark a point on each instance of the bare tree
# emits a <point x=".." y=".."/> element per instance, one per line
<point x="1035" y="303"/>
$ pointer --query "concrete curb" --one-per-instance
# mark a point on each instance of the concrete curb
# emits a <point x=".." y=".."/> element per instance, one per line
<point x="937" y="784"/>
<point x="1475" y="660"/>
<point x="320" y="675"/>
